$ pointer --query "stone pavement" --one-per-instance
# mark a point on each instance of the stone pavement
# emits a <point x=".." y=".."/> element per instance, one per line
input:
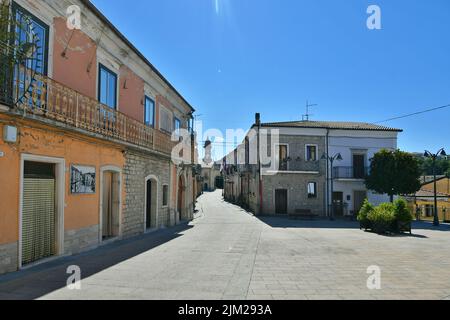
<point x="226" y="253"/>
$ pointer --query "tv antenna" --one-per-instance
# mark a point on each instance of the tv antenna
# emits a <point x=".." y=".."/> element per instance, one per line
<point x="306" y="116"/>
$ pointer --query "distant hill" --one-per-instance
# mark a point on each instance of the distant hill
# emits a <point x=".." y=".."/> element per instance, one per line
<point x="442" y="165"/>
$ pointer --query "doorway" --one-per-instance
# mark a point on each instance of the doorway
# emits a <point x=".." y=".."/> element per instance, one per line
<point x="358" y="200"/>
<point x="39" y="221"/>
<point x="151" y="203"/>
<point x="281" y="200"/>
<point x="219" y="182"/>
<point x="180" y="198"/>
<point x="41" y="212"/>
<point x="338" y="204"/>
<point x="110" y="204"/>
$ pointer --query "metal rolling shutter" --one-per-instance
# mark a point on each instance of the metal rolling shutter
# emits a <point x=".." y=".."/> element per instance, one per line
<point x="38" y="219"/>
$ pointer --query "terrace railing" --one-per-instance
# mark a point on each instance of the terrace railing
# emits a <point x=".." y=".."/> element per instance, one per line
<point x="350" y="172"/>
<point x="49" y="99"/>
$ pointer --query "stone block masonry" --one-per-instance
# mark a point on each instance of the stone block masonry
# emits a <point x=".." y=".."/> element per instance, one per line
<point x="76" y="241"/>
<point x="138" y="166"/>
<point x="8" y="257"/>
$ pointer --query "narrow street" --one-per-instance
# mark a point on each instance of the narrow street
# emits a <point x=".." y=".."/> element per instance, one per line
<point x="226" y="253"/>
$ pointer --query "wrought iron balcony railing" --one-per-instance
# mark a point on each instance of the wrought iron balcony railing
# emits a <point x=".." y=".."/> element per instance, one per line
<point x="350" y="172"/>
<point x="52" y="100"/>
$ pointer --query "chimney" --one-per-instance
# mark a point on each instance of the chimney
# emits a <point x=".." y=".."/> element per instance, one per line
<point x="258" y="119"/>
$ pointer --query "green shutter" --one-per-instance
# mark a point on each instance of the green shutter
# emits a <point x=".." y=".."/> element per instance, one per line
<point x="38" y="219"/>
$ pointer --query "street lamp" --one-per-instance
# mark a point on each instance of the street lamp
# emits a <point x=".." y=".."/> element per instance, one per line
<point x="433" y="157"/>
<point x="336" y="157"/>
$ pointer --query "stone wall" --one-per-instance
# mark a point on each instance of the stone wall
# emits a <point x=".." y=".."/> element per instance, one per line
<point x="8" y="257"/>
<point x="296" y="181"/>
<point x="297" y="186"/>
<point x="137" y="167"/>
<point x="76" y="241"/>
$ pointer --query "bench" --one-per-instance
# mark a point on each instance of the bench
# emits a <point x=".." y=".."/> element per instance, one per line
<point x="302" y="214"/>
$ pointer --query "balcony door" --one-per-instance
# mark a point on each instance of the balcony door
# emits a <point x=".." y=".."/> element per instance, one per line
<point x="30" y="30"/>
<point x="282" y="155"/>
<point x="107" y="87"/>
<point x="359" y="166"/>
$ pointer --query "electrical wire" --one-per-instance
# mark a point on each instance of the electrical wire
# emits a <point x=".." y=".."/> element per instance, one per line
<point x="413" y="114"/>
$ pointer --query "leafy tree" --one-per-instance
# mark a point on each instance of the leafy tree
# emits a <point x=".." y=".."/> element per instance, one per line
<point x="394" y="173"/>
<point x="426" y="165"/>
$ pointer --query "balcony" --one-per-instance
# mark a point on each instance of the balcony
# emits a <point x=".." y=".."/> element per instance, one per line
<point x="51" y="100"/>
<point x="351" y="173"/>
<point x="290" y="166"/>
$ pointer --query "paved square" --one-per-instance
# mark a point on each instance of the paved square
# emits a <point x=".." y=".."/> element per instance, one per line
<point x="226" y="253"/>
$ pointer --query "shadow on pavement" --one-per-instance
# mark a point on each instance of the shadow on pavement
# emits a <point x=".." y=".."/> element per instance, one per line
<point x="285" y="222"/>
<point x="47" y="277"/>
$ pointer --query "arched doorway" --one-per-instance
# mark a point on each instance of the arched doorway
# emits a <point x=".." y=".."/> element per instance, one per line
<point x="180" y="197"/>
<point x="110" y="202"/>
<point x="151" y="203"/>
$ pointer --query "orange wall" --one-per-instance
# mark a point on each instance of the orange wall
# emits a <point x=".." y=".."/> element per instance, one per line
<point x="81" y="210"/>
<point x="131" y="94"/>
<point x="81" y="56"/>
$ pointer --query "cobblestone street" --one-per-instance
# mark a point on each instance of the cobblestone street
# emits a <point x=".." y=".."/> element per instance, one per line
<point x="226" y="253"/>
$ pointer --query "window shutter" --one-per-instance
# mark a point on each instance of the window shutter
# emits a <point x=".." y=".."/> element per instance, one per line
<point x="166" y="120"/>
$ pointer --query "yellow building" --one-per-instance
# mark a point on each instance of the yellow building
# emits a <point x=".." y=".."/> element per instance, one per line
<point x="423" y="200"/>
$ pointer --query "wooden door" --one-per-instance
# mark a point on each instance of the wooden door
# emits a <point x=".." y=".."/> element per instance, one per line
<point x="110" y="205"/>
<point x="148" y="209"/>
<point x="281" y="199"/>
<point x="358" y="200"/>
<point x="180" y="198"/>
<point x="338" y="203"/>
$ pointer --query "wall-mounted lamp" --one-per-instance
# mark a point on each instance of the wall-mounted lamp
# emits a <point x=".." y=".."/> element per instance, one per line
<point x="10" y="134"/>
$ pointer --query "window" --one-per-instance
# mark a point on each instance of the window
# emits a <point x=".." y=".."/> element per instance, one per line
<point x="40" y="29"/>
<point x="165" y="196"/>
<point x="282" y="157"/>
<point x="26" y="25"/>
<point x="311" y="153"/>
<point x="149" y="112"/>
<point x="312" y="190"/>
<point x="165" y="120"/>
<point x="177" y="126"/>
<point x="191" y="125"/>
<point x="107" y="87"/>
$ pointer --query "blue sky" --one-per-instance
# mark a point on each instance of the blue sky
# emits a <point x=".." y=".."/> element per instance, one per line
<point x="232" y="58"/>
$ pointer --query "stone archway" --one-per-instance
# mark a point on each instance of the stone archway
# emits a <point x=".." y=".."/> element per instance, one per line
<point x="151" y="202"/>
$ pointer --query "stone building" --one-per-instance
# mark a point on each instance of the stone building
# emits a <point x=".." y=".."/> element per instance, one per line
<point x="96" y="148"/>
<point x="211" y="175"/>
<point x="285" y="167"/>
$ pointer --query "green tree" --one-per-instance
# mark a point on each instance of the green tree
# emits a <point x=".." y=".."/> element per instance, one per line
<point x="426" y="165"/>
<point x="394" y="173"/>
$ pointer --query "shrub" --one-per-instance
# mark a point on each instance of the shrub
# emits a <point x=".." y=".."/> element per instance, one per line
<point x="363" y="215"/>
<point x="402" y="213"/>
<point x="382" y="218"/>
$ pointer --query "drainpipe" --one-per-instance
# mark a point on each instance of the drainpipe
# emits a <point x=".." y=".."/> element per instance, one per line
<point x="327" y="173"/>
<point x="258" y="123"/>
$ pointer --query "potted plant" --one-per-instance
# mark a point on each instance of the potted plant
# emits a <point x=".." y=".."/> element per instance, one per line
<point x="363" y="215"/>
<point x="403" y="216"/>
